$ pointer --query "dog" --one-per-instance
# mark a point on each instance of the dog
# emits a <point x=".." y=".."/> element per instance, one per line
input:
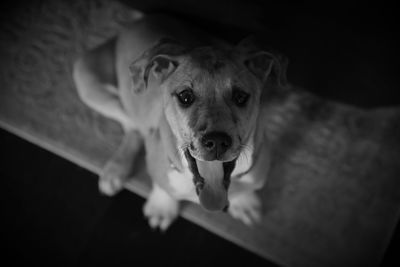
<point x="196" y="105"/>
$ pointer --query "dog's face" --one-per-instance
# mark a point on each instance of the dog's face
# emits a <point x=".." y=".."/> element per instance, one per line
<point x="211" y="101"/>
<point x="213" y="104"/>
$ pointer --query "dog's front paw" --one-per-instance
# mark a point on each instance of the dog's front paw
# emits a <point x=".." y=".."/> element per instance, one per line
<point x="246" y="207"/>
<point x="112" y="178"/>
<point x="160" y="209"/>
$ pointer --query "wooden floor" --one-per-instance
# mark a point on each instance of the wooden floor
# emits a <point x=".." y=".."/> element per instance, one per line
<point x="341" y="213"/>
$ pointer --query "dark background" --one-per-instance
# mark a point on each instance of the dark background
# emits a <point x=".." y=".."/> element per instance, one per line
<point x="52" y="213"/>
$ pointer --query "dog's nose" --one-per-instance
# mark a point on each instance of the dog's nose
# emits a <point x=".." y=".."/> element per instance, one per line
<point x="217" y="142"/>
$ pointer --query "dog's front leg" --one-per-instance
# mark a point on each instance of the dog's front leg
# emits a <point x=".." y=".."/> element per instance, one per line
<point x="119" y="167"/>
<point x="244" y="204"/>
<point x="160" y="208"/>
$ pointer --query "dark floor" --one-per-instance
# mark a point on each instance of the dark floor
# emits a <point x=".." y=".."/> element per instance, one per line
<point x="52" y="214"/>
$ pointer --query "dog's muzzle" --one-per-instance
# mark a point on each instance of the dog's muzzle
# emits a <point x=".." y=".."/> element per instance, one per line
<point x="211" y="179"/>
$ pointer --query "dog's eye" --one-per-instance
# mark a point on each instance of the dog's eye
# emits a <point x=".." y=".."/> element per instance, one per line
<point x="186" y="97"/>
<point x="239" y="97"/>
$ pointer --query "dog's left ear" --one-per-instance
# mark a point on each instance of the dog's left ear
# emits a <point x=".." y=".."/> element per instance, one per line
<point x="263" y="64"/>
<point x="160" y="60"/>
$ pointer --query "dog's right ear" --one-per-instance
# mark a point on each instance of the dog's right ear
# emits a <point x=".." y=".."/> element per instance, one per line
<point x="263" y="64"/>
<point x="160" y="60"/>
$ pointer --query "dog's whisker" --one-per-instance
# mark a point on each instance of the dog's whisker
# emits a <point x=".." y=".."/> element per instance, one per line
<point x="180" y="152"/>
<point x="246" y="151"/>
<point x="245" y="157"/>
<point x="241" y="157"/>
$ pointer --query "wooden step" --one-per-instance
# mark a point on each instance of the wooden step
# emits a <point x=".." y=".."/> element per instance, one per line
<point x="332" y="196"/>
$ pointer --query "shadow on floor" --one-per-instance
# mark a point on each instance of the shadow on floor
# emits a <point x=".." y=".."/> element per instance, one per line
<point x="52" y="214"/>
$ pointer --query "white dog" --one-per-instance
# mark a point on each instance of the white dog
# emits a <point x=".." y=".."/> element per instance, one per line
<point x="195" y="103"/>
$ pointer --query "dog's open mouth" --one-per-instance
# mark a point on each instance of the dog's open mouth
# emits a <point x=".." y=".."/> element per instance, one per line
<point x="211" y="179"/>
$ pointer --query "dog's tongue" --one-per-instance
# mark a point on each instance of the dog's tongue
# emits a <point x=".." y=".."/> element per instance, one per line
<point x="213" y="196"/>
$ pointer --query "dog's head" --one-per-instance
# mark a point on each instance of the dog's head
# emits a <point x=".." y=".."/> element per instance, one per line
<point x="211" y="100"/>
